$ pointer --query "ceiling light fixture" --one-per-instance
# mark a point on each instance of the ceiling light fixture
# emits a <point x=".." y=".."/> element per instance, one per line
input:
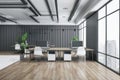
<point x="65" y="8"/>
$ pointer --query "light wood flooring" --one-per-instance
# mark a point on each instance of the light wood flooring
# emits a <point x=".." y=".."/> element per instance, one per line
<point x="58" y="70"/>
<point x="8" y="53"/>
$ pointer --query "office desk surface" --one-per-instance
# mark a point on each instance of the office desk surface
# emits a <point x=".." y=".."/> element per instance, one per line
<point x="89" y="49"/>
<point x="60" y="49"/>
<point x="63" y="49"/>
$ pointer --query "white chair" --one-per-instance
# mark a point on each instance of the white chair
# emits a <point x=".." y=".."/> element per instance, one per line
<point x="38" y="51"/>
<point x="81" y="52"/>
<point x="26" y="51"/>
<point x="17" y="47"/>
<point x="51" y="56"/>
<point x="67" y="56"/>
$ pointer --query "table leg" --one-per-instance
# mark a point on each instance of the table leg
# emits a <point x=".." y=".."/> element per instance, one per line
<point x="92" y="55"/>
<point x="59" y="55"/>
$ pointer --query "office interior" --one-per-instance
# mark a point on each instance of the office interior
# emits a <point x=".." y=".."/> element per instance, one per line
<point x="59" y="40"/>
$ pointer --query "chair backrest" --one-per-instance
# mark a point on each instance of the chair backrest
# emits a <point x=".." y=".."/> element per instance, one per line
<point x="51" y="52"/>
<point x="17" y="47"/>
<point x="81" y="51"/>
<point x="38" y="51"/>
<point x="67" y="52"/>
<point x="26" y="51"/>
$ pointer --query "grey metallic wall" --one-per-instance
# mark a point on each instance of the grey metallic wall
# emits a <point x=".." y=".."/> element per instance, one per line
<point x="59" y="35"/>
<point x="92" y="33"/>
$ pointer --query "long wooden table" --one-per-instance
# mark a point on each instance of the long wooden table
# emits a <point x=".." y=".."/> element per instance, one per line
<point x="59" y="50"/>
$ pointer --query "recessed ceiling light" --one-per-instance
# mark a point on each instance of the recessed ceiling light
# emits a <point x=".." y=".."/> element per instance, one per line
<point x="65" y="8"/>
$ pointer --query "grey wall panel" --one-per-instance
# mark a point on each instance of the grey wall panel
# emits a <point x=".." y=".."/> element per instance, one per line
<point x="54" y="34"/>
<point x="92" y="33"/>
<point x="8" y="36"/>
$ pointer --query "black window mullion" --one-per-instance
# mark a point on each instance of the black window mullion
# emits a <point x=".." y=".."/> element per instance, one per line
<point x="119" y="37"/>
<point x="106" y="34"/>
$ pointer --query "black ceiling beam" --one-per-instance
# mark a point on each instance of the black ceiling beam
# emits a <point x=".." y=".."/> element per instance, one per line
<point x="34" y="7"/>
<point x="46" y="15"/>
<point x="31" y="9"/>
<point x="56" y="4"/>
<point x="2" y="20"/>
<point x="11" y="4"/>
<point x="24" y="2"/>
<point x="76" y="4"/>
<point x="8" y="19"/>
<point x="34" y="19"/>
<point x="24" y="7"/>
<point x="48" y="6"/>
<point x="15" y="6"/>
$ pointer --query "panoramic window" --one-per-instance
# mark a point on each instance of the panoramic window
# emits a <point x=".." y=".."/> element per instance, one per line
<point x="108" y="35"/>
<point x="113" y="34"/>
<point x="101" y="58"/>
<point x="112" y="6"/>
<point x="101" y="35"/>
<point x="101" y="13"/>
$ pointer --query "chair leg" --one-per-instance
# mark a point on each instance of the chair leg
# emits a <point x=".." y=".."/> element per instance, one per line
<point x="84" y="58"/>
<point x="79" y="58"/>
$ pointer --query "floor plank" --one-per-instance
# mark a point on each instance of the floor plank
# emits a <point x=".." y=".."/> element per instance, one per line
<point x="58" y="70"/>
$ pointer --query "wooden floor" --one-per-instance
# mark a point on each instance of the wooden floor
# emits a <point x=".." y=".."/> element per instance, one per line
<point x="8" y="53"/>
<point x="58" y="70"/>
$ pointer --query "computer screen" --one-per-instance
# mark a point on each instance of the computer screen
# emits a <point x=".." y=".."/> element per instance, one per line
<point x="42" y="43"/>
<point x="76" y="44"/>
